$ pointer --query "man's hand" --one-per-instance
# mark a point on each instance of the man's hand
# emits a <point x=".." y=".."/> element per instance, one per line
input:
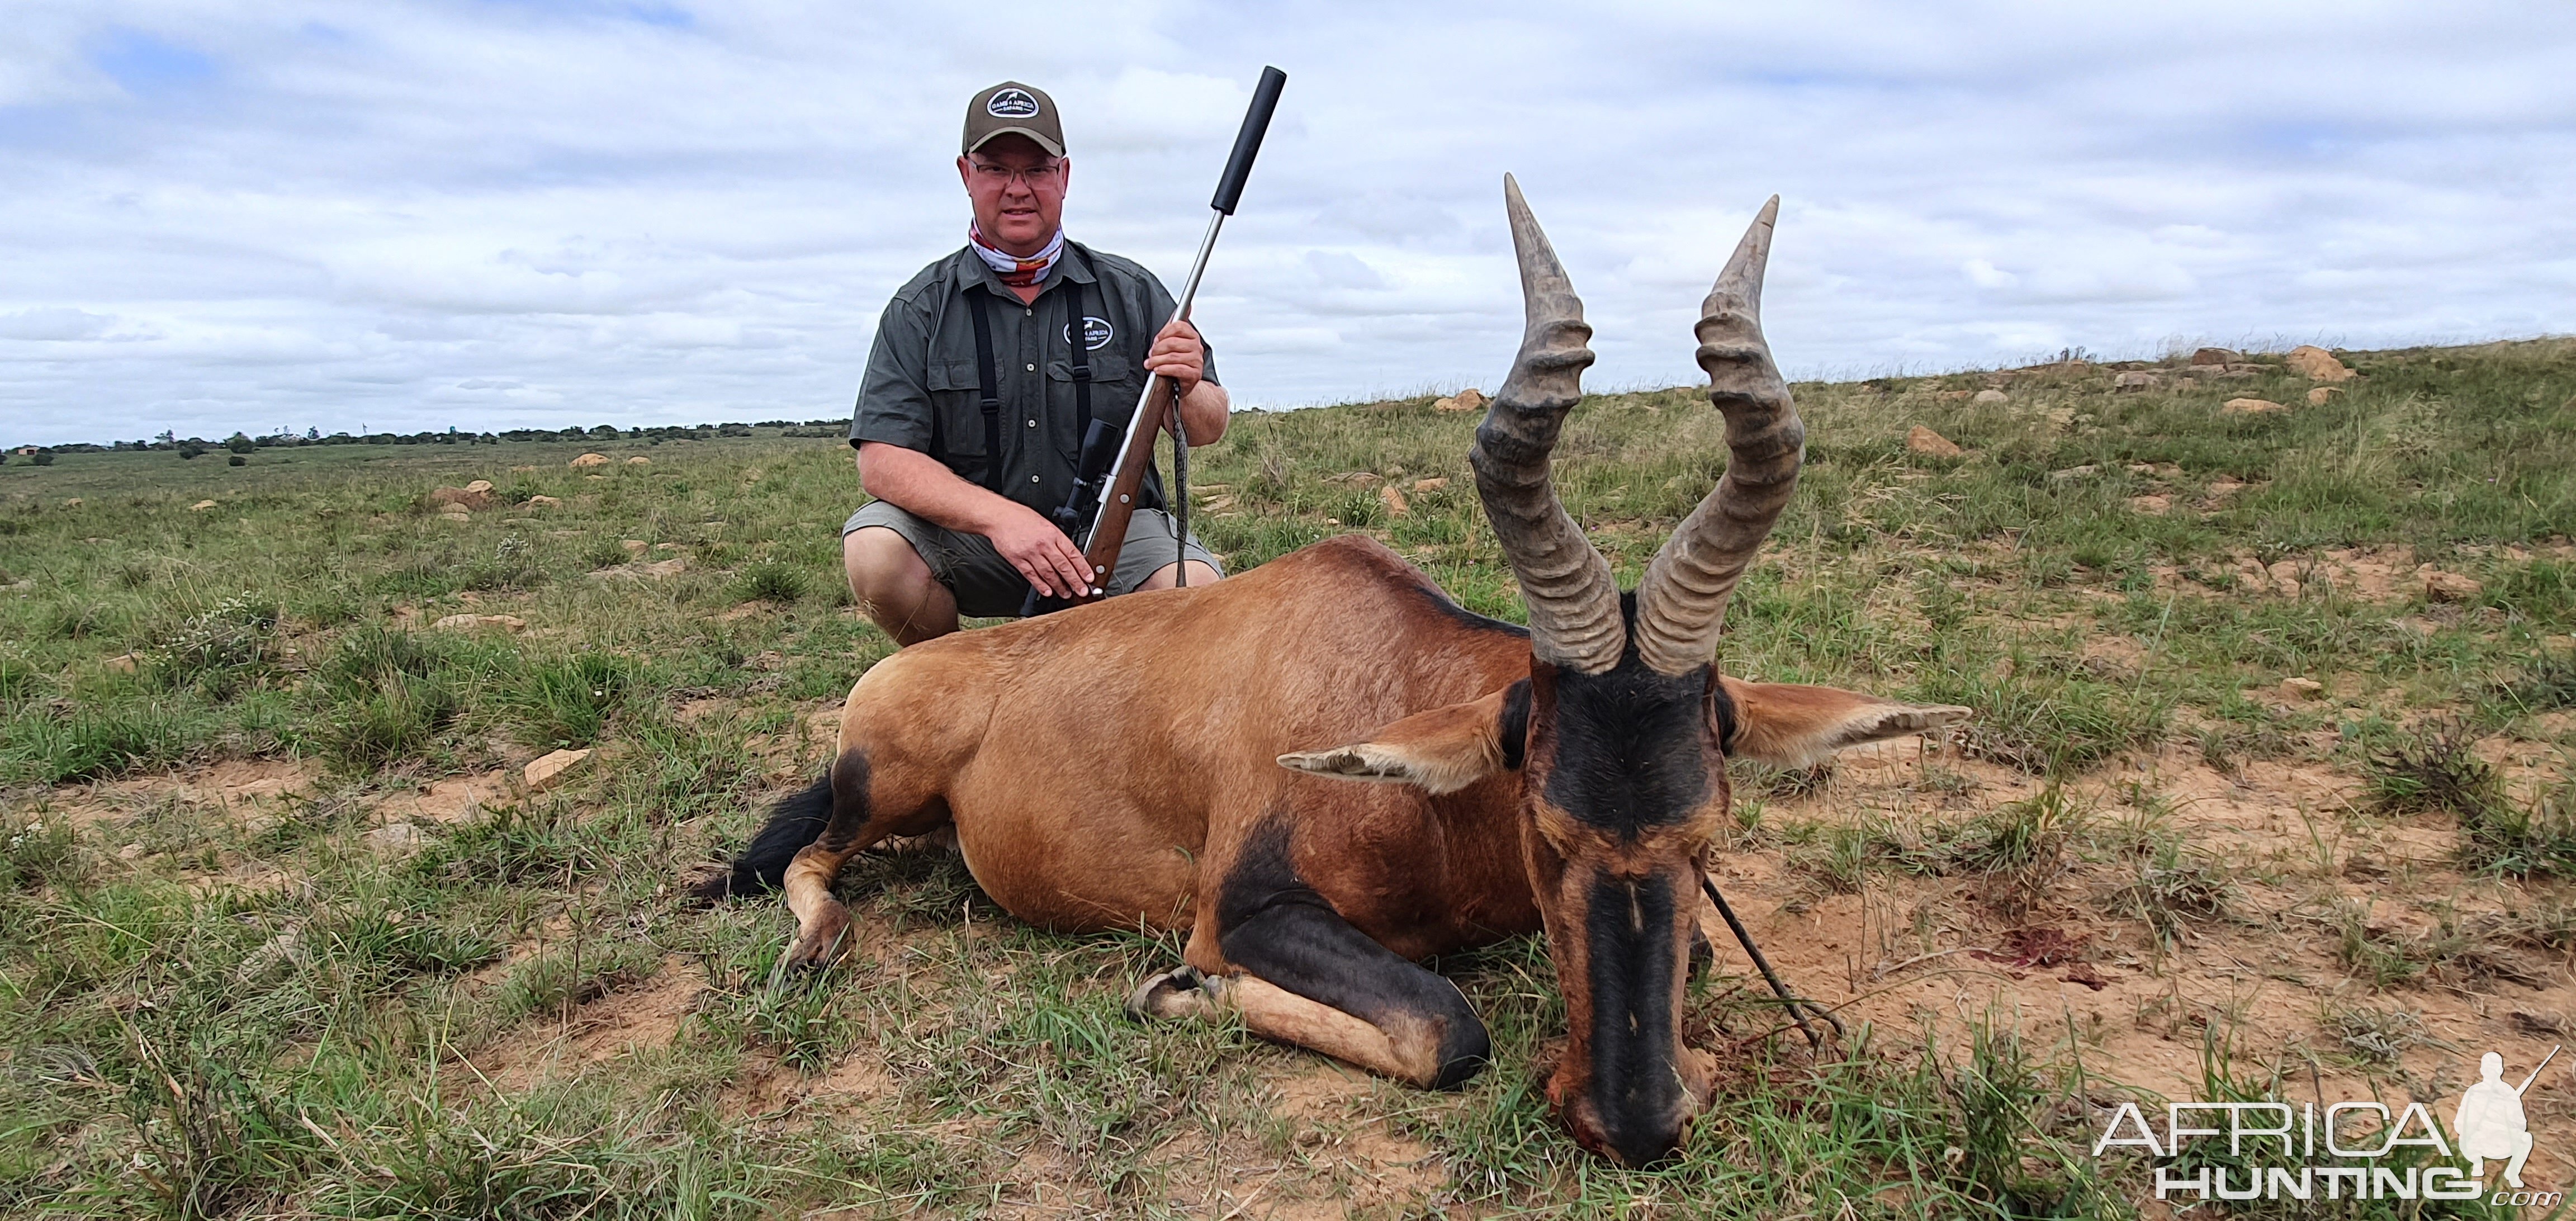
<point x="1041" y="552"/>
<point x="1178" y="354"/>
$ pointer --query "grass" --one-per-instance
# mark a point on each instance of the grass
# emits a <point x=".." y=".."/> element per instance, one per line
<point x="227" y="1013"/>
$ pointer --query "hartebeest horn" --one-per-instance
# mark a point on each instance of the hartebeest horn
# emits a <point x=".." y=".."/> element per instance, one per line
<point x="1681" y="603"/>
<point x="1573" y="603"/>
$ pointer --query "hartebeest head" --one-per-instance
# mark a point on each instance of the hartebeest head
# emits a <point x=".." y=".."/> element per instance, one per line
<point x="1622" y="733"/>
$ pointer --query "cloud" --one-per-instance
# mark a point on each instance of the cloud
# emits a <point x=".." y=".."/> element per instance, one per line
<point x="423" y="213"/>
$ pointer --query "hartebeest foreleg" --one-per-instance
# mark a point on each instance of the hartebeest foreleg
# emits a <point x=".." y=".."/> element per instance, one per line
<point x="1300" y="973"/>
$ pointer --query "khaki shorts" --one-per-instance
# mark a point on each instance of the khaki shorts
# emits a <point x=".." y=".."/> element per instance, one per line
<point x="987" y="586"/>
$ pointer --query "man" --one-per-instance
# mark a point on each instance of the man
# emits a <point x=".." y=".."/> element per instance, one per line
<point x="2491" y="1124"/>
<point x="986" y="368"/>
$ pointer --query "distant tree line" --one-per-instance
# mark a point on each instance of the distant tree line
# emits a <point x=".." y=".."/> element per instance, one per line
<point x="240" y="445"/>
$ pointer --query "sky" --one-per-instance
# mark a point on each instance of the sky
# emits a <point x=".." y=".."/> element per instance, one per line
<point x="487" y="214"/>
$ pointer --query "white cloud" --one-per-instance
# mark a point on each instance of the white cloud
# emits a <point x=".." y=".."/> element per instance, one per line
<point x="225" y="214"/>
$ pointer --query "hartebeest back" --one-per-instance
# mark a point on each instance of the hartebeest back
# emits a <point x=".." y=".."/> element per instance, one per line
<point x="1569" y="777"/>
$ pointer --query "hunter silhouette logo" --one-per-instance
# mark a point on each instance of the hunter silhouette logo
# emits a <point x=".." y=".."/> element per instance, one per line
<point x="1011" y="104"/>
<point x="2490" y="1120"/>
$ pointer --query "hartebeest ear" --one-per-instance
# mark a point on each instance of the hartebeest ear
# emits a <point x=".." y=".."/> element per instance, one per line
<point x="1788" y="725"/>
<point x="1441" y="751"/>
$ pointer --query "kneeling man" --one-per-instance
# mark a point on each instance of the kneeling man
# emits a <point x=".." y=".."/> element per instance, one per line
<point x="988" y="367"/>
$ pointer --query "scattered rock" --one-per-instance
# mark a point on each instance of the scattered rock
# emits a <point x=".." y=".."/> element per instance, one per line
<point x="201" y="506"/>
<point x="2137" y="380"/>
<point x="639" y="460"/>
<point x="548" y="771"/>
<point x="1395" y="504"/>
<point x="1931" y="444"/>
<point x="1991" y="396"/>
<point x="2318" y="365"/>
<point x="634" y="546"/>
<point x="2152" y="506"/>
<point x="1217" y="503"/>
<point x="2285" y="577"/>
<point x="477" y="497"/>
<point x="1433" y="484"/>
<point x="73" y="503"/>
<point x="470" y="622"/>
<point x="394" y="839"/>
<point x="665" y="568"/>
<point x="2074" y="472"/>
<point x="2252" y="406"/>
<point x="2214" y="372"/>
<point x="544" y="502"/>
<point x="1354" y="479"/>
<point x="130" y="852"/>
<point x="2217" y="356"/>
<point x="2440" y="586"/>
<point x="1469" y="399"/>
<point x="479" y="485"/>
<point x="2302" y="688"/>
<point x="456" y="515"/>
<point x="125" y="663"/>
<point x="2317" y="395"/>
<point x="588" y="460"/>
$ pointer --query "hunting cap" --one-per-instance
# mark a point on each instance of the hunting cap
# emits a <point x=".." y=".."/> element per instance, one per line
<point x="1013" y="108"/>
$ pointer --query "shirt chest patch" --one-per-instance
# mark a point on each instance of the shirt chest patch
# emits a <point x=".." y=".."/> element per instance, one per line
<point x="1096" y="333"/>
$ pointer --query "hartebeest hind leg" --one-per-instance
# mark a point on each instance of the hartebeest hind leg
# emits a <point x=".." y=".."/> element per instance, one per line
<point x="865" y="809"/>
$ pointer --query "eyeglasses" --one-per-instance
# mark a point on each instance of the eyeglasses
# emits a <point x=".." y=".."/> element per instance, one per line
<point x="1038" y="178"/>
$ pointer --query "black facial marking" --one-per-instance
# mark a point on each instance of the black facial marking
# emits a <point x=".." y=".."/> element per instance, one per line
<point x="1721" y="710"/>
<point x="1628" y="746"/>
<point x="1513" y="729"/>
<point x="1636" y="1089"/>
<point x="1271" y="923"/>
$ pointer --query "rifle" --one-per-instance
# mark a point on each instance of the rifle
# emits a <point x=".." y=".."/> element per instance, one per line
<point x="1111" y="474"/>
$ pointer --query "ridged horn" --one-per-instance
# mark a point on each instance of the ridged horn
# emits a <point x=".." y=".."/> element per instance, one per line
<point x="1573" y="603"/>
<point x="1681" y="603"/>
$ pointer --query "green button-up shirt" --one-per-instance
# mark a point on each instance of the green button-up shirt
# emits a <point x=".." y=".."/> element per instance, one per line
<point x="921" y="390"/>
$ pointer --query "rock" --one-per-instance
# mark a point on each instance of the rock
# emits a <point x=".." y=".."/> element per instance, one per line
<point x="1354" y="479"/>
<point x="2252" y="406"/>
<point x="1395" y="504"/>
<point x="477" y="499"/>
<point x="73" y="503"/>
<point x="2285" y="576"/>
<point x="130" y="852"/>
<point x="2151" y="506"/>
<point x="2074" y="472"/>
<point x="470" y="622"/>
<point x="201" y="506"/>
<point x="588" y="460"/>
<point x="394" y="839"/>
<point x="2137" y="379"/>
<point x="1469" y="399"/>
<point x="550" y="770"/>
<point x="544" y="502"/>
<point x="479" y="485"/>
<point x="2302" y="688"/>
<point x="2217" y="356"/>
<point x="639" y="460"/>
<point x="125" y="663"/>
<point x="634" y="546"/>
<point x="456" y="515"/>
<point x="2440" y="586"/>
<point x="2318" y="365"/>
<point x="1931" y="444"/>
<point x="2317" y="395"/>
<point x="665" y="568"/>
<point x="1991" y="396"/>
<point x="1433" y="484"/>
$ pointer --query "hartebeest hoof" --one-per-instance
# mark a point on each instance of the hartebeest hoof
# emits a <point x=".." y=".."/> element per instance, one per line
<point x="1175" y="994"/>
<point x="821" y="942"/>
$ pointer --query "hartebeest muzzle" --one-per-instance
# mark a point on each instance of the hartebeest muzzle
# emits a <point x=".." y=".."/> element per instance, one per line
<point x="1625" y="774"/>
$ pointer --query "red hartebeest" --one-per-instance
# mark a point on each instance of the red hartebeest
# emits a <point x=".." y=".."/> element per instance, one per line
<point x="1181" y="759"/>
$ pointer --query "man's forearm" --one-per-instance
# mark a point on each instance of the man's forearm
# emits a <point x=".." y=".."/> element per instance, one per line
<point x="1204" y="410"/>
<point x="924" y="486"/>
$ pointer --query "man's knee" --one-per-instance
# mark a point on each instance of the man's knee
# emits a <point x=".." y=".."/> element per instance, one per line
<point x="1163" y="578"/>
<point x="882" y="565"/>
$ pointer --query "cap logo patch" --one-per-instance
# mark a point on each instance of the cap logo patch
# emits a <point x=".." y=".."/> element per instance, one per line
<point x="1095" y="333"/>
<point x="1011" y="104"/>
